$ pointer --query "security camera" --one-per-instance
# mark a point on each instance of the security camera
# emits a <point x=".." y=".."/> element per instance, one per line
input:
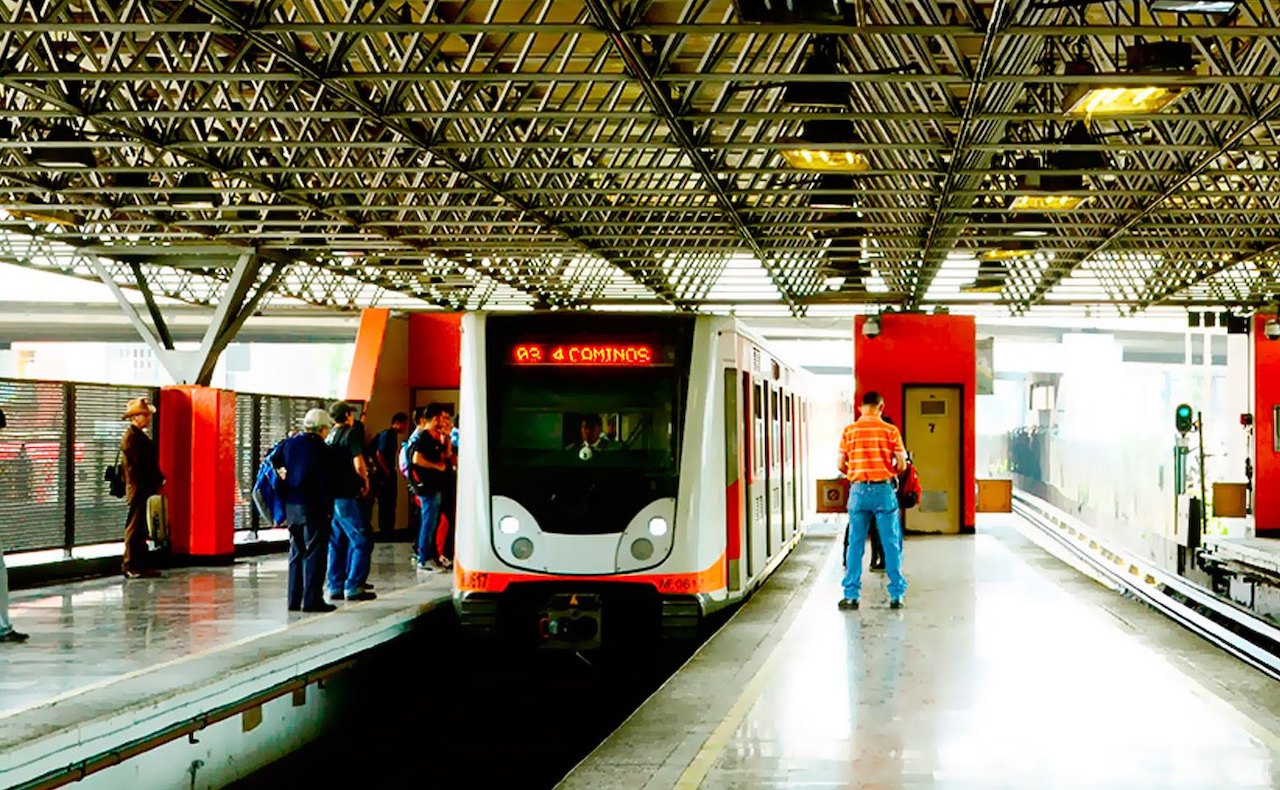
<point x="871" y="327"/>
<point x="1271" y="329"/>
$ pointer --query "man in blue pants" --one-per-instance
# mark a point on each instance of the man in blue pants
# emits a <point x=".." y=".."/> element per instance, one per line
<point x="350" y="541"/>
<point x="302" y="464"/>
<point x="871" y="454"/>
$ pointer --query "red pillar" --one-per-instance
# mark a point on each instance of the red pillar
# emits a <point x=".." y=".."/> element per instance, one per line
<point x="1266" y="396"/>
<point x="914" y="348"/>
<point x="197" y="453"/>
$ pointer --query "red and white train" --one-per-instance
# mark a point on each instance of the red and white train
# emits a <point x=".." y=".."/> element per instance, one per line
<point x="621" y="474"/>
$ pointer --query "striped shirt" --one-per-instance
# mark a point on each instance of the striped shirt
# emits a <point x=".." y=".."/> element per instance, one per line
<point x="868" y="447"/>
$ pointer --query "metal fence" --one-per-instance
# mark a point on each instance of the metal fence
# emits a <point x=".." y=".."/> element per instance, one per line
<point x="62" y="436"/>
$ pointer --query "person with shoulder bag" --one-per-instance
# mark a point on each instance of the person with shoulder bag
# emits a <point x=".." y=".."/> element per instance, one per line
<point x="143" y="479"/>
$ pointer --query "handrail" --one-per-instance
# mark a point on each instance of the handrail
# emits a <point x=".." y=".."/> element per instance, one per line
<point x="1237" y="631"/>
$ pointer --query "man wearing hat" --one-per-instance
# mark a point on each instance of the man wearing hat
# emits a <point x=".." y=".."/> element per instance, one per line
<point x="303" y="464"/>
<point x="143" y="479"/>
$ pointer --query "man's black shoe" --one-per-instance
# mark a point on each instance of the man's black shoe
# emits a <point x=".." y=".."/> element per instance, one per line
<point x="14" y="637"/>
<point x="847" y="604"/>
<point x="337" y="595"/>
<point x="896" y="603"/>
<point x="363" y="595"/>
<point x="324" y="607"/>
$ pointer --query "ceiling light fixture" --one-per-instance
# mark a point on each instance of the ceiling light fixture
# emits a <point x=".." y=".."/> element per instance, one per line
<point x="1009" y="249"/>
<point x="833" y="192"/>
<point x="195" y="191"/>
<point x="788" y="11"/>
<point x="64" y="150"/>
<point x="827" y="146"/>
<point x="1195" y="6"/>
<point x="991" y="278"/>
<point x="1040" y="190"/>
<point x="1030" y="225"/>
<point x="831" y="94"/>
<point x="1087" y="101"/>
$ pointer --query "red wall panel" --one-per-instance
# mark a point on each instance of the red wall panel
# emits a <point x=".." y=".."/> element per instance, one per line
<point x="435" y="350"/>
<point x="923" y="349"/>
<point x="197" y="453"/>
<point x="1266" y="394"/>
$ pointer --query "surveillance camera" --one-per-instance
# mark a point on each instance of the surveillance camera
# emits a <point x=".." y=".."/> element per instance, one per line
<point x="1271" y="329"/>
<point x="871" y="327"/>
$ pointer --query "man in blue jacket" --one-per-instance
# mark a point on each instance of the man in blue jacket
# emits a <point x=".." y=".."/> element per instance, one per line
<point x="303" y="463"/>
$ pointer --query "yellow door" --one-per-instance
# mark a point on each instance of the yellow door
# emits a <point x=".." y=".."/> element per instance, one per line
<point x="932" y="435"/>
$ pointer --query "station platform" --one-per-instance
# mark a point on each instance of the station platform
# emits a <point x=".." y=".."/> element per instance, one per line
<point x="119" y="667"/>
<point x="1007" y="668"/>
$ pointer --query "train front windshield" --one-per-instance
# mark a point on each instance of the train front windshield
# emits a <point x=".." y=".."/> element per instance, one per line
<point x="585" y="433"/>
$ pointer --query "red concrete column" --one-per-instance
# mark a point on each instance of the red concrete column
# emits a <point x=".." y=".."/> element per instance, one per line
<point x="914" y="348"/>
<point x="197" y="453"/>
<point x="435" y="350"/>
<point x="1266" y="396"/>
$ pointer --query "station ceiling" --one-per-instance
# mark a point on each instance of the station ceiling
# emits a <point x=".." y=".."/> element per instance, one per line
<point x="606" y="154"/>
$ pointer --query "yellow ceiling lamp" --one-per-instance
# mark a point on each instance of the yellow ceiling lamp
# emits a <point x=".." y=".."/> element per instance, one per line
<point x="1042" y="190"/>
<point x="1103" y="101"/>
<point x="827" y="146"/>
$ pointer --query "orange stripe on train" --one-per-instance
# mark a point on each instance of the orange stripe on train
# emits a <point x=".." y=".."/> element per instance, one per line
<point x="712" y="578"/>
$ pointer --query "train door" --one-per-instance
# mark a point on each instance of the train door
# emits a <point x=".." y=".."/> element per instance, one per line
<point x="774" y="455"/>
<point x="788" y="469"/>
<point x="933" y="437"/>
<point x="735" y="479"/>
<point x="757" y="515"/>
<point x="797" y="465"/>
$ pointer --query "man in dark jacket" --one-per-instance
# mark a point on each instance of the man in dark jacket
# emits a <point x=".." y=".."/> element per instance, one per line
<point x="303" y="464"/>
<point x="143" y="480"/>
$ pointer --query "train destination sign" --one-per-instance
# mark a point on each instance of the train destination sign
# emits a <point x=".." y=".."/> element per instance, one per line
<point x="583" y="354"/>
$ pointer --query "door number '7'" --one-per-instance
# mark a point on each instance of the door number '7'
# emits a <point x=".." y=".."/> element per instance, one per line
<point x="932" y="425"/>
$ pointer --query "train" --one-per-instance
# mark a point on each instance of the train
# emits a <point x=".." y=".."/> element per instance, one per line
<point x="623" y="476"/>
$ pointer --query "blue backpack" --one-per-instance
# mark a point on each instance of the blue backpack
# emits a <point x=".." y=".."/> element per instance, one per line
<point x="266" y="496"/>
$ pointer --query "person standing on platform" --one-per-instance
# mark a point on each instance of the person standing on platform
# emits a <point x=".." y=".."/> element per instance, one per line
<point x="143" y="480"/>
<point x="871" y="454"/>
<point x="449" y="494"/>
<point x="350" y="544"/>
<point x="386" y="450"/>
<point x="303" y="463"/>
<point x="7" y="633"/>
<point x="429" y="458"/>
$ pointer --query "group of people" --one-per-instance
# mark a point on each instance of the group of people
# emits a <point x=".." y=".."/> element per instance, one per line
<point x="328" y="479"/>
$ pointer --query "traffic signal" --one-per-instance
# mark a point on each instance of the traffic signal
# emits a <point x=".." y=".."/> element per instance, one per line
<point x="1182" y="418"/>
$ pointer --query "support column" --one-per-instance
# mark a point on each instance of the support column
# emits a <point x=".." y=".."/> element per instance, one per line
<point x="197" y="453"/>
<point x="1266" y="397"/>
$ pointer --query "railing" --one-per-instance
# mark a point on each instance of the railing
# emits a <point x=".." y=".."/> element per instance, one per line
<point x="62" y="435"/>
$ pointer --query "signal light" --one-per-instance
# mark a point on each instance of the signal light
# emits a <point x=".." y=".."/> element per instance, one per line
<point x="1182" y="418"/>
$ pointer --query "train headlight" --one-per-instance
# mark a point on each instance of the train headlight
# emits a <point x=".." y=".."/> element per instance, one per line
<point x="509" y="525"/>
<point x="642" y="548"/>
<point x="522" y="548"/>
<point x="657" y="526"/>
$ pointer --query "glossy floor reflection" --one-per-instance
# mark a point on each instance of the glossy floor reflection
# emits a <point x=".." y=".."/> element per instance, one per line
<point x="996" y="675"/>
<point x="92" y="632"/>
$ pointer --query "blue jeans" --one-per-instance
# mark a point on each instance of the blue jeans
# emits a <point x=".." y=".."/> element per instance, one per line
<point x="878" y="502"/>
<point x="349" y="548"/>
<point x="426" y="547"/>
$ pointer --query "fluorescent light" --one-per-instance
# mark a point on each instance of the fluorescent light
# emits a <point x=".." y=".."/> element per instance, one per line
<point x="1195" y="6"/>
<point x="1087" y="101"/>
<point x="824" y="159"/>
<point x="1046" y="202"/>
<point x="69" y="152"/>
<point x="197" y="193"/>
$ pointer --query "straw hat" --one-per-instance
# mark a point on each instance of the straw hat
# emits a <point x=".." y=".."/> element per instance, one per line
<point x="136" y="407"/>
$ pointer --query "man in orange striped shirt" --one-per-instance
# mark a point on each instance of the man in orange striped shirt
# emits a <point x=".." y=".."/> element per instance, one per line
<point x="871" y="455"/>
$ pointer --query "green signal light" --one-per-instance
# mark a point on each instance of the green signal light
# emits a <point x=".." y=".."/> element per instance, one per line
<point x="1182" y="418"/>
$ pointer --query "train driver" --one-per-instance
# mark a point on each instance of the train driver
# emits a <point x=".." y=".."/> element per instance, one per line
<point x="593" y="439"/>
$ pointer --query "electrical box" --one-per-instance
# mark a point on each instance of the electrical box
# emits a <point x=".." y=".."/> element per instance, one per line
<point x="833" y="495"/>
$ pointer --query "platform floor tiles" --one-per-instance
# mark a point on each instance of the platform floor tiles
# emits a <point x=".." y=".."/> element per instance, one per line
<point x="90" y="633"/>
<point x="1007" y="669"/>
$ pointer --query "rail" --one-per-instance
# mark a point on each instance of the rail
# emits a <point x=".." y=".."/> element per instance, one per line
<point x="61" y="435"/>
<point x="1221" y="622"/>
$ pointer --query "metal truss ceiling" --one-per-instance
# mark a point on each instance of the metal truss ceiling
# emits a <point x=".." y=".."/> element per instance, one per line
<point x="550" y="153"/>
